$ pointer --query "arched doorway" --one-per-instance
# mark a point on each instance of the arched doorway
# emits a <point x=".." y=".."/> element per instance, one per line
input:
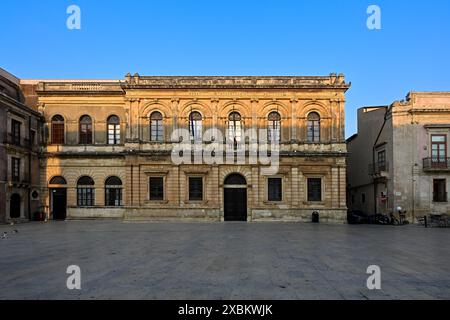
<point x="58" y="198"/>
<point x="235" y="198"/>
<point x="14" y="206"/>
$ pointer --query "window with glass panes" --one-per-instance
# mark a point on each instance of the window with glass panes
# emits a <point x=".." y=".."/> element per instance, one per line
<point x="438" y="149"/>
<point x="85" y="130"/>
<point x="113" y="192"/>
<point x="274" y="127"/>
<point x="156" y="127"/>
<point x="15" y="132"/>
<point x="195" y="126"/>
<point x="15" y="169"/>
<point x="85" y="192"/>
<point x="313" y="127"/>
<point x="195" y="188"/>
<point x="57" y="130"/>
<point x="113" y="130"/>
<point x="314" y="189"/>
<point x="274" y="186"/>
<point x="156" y="188"/>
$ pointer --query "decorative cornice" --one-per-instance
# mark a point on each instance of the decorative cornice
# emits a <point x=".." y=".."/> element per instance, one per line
<point x="230" y="82"/>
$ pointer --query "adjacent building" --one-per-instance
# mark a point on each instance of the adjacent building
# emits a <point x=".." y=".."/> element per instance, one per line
<point x="108" y="148"/>
<point x="20" y="140"/>
<point x="399" y="157"/>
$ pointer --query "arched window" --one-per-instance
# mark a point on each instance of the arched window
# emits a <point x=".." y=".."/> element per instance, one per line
<point x="314" y="127"/>
<point x="85" y="130"/>
<point x="57" y="135"/>
<point x="58" y="180"/>
<point x="85" y="192"/>
<point x="274" y="127"/>
<point x="113" y="130"/>
<point x="156" y="126"/>
<point x="195" y="126"/>
<point x="113" y="192"/>
<point x="235" y="179"/>
<point x="235" y="127"/>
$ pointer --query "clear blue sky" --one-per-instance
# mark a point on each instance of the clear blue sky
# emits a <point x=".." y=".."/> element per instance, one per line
<point x="235" y="37"/>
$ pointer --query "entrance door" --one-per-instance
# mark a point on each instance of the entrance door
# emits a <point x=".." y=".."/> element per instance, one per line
<point x="59" y="203"/>
<point x="14" y="206"/>
<point x="235" y="198"/>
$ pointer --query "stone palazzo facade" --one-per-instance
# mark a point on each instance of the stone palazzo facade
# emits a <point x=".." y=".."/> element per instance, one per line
<point x="108" y="148"/>
<point x="20" y="140"/>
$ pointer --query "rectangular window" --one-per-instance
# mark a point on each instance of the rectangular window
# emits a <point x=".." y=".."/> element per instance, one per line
<point x="439" y="190"/>
<point x="157" y="188"/>
<point x="85" y="197"/>
<point x="15" y="132"/>
<point x="363" y="197"/>
<point x="274" y="187"/>
<point x="314" y="189"/>
<point x="113" y="197"/>
<point x="15" y="169"/>
<point x="439" y="149"/>
<point x="195" y="189"/>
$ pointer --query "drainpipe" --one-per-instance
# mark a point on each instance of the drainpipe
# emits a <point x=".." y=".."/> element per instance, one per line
<point x="375" y="190"/>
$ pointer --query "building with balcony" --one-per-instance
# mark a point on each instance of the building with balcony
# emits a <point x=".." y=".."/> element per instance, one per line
<point x="20" y="140"/>
<point x="109" y="148"/>
<point x="399" y="157"/>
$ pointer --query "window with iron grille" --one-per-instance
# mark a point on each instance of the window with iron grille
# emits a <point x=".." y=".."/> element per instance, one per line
<point x="15" y="169"/>
<point x="113" y="192"/>
<point x="195" y="189"/>
<point x="275" y="192"/>
<point x="157" y="188"/>
<point x="57" y="130"/>
<point x="314" y="189"/>
<point x="15" y="132"/>
<point x="113" y="130"/>
<point x="439" y="190"/>
<point x="85" y="192"/>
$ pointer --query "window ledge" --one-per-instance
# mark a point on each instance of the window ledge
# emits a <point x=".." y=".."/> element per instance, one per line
<point x="157" y="201"/>
<point x="314" y="203"/>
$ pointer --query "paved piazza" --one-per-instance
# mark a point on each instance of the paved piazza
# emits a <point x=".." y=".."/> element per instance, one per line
<point x="223" y="261"/>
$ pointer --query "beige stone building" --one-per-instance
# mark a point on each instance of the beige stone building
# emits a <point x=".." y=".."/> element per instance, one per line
<point x="109" y="148"/>
<point x="399" y="157"/>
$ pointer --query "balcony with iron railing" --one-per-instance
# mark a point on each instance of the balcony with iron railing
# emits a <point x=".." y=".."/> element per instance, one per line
<point x="18" y="141"/>
<point x="379" y="169"/>
<point x="436" y="164"/>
